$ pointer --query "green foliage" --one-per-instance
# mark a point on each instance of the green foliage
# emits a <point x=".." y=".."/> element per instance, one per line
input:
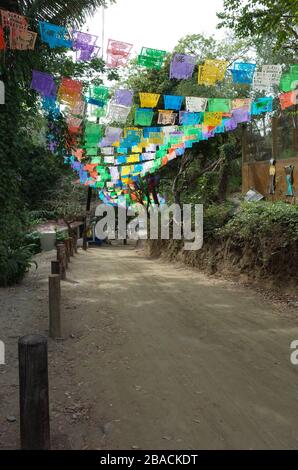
<point x="235" y="176"/>
<point x="61" y="236"/>
<point x="253" y="19"/>
<point x="262" y="237"/>
<point x="67" y="201"/>
<point x="32" y="239"/>
<point x="207" y="185"/>
<point x="216" y="216"/>
<point x="72" y="13"/>
<point x="14" y="263"/>
<point x="277" y="222"/>
<point x="28" y="171"/>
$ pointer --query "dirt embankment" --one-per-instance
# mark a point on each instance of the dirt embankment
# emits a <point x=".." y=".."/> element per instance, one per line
<point x="265" y="268"/>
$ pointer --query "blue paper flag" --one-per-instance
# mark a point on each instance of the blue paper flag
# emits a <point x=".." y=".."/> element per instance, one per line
<point x="173" y="102"/>
<point x="262" y="105"/>
<point x="54" y="36"/>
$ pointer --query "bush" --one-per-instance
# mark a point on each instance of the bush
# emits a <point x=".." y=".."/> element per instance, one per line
<point x="264" y="236"/>
<point x="61" y="236"/>
<point x="14" y="263"/>
<point x="215" y="217"/>
<point x="255" y="221"/>
<point x="33" y="239"/>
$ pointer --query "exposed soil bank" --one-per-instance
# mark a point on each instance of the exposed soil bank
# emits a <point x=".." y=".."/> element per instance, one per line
<point x="270" y="270"/>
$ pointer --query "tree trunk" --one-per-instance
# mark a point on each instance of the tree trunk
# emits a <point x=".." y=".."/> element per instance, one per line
<point x="223" y="180"/>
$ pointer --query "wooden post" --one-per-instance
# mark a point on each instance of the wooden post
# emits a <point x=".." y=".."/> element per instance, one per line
<point x="155" y="196"/>
<point x="54" y="306"/>
<point x="244" y="144"/>
<point x="245" y="176"/>
<point x="67" y="251"/>
<point x="71" y="248"/>
<point x="61" y="257"/>
<point x="75" y="243"/>
<point x="55" y="267"/>
<point x="34" y="393"/>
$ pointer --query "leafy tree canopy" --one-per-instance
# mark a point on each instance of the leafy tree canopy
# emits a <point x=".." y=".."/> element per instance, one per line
<point x="257" y="18"/>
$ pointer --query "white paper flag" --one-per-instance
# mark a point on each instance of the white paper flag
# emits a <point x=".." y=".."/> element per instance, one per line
<point x="195" y="104"/>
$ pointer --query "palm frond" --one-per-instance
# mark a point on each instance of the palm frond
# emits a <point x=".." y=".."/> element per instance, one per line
<point x="71" y="12"/>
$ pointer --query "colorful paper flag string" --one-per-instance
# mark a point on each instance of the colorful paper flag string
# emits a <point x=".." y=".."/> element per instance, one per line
<point x="20" y="38"/>
<point x="112" y="135"/>
<point x="93" y="133"/>
<point x="74" y="124"/>
<point x="98" y="96"/>
<point x="50" y="106"/>
<point x="78" y="108"/>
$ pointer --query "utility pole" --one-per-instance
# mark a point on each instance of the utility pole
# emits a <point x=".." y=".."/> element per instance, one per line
<point x="103" y="31"/>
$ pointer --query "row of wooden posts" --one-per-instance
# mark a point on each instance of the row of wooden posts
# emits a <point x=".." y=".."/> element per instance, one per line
<point x="33" y="360"/>
<point x="58" y="269"/>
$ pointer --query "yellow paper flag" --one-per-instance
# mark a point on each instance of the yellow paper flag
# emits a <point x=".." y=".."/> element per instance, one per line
<point x="241" y="103"/>
<point x="133" y="158"/>
<point x="149" y="100"/>
<point x="212" y="119"/>
<point x="212" y="71"/>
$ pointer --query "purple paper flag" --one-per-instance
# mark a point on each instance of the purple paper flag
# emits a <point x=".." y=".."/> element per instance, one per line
<point x="182" y="66"/>
<point x="44" y="84"/>
<point x="241" y="115"/>
<point x="112" y="134"/>
<point x="123" y="97"/>
<point x="230" y="124"/>
<point x="85" y="46"/>
<point x="87" y="52"/>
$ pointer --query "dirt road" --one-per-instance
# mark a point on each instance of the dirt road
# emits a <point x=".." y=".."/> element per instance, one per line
<point x="157" y="356"/>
